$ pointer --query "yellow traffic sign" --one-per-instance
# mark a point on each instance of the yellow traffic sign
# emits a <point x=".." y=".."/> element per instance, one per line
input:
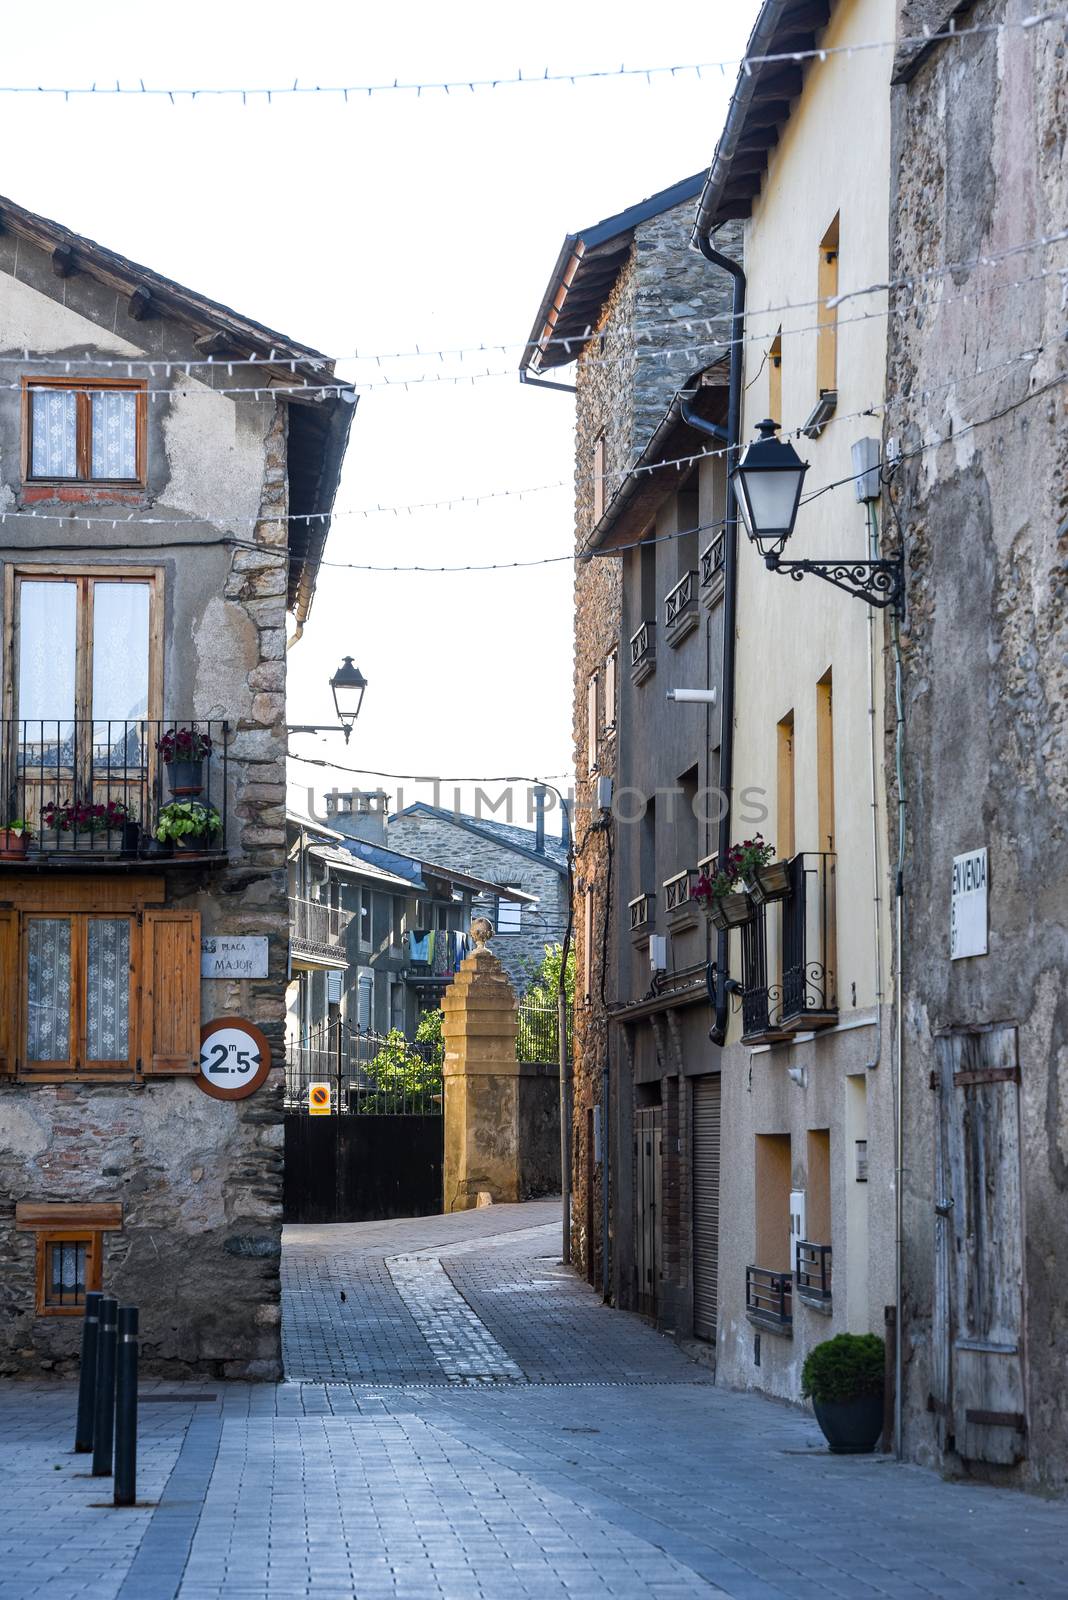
<point x="319" y="1100"/>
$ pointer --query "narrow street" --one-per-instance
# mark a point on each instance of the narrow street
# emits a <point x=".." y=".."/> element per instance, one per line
<point x="471" y="1421"/>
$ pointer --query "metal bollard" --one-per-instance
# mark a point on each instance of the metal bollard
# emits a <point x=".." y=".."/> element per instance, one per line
<point x="83" y="1428"/>
<point x="104" y="1416"/>
<point x="126" y="1408"/>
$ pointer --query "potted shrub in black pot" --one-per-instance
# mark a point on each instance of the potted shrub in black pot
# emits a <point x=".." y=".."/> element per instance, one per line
<point x="188" y="825"/>
<point x="844" y="1379"/>
<point x="184" y="751"/>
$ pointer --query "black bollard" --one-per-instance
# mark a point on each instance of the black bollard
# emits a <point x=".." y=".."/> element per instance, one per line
<point x="104" y="1417"/>
<point x="83" y="1430"/>
<point x="126" y="1408"/>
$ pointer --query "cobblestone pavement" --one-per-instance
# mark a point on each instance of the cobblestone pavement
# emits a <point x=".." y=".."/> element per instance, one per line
<point x="470" y="1421"/>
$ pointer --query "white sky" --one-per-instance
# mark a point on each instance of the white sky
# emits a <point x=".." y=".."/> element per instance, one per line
<point x="379" y="225"/>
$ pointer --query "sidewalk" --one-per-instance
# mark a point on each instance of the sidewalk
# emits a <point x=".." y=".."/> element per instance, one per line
<point x="499" y="1434"/>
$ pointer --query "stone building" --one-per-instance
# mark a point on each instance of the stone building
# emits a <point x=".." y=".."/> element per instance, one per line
<point x="977" y="424"/>
<point x="497" y="856"/>
<point x="156" y="533"/>
<point x="614" y="305"/>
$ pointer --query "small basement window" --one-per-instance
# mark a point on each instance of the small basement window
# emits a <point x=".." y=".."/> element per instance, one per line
<point x="89" y="432"/>
<point x="68" y="1266"/>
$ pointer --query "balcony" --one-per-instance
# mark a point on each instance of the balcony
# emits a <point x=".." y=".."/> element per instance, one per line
<point x="789" y="957"/>
<point x="769" y="1300"/>
<point x="317" y="934"/>
<point x="434" y="956"/>
<point x="680" y="610"/>
<point x="680" y="908"/>
<point x="94" y="793"/>
<point x="643" y="653"/>
<point x="642" y="913"/>
<point x="813" y="1275"/>
<point x="809" y="945"/>
<point x="713" y="570"/>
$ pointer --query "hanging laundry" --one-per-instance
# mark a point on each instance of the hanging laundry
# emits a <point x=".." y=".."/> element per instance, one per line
<point x="419" y="944"/>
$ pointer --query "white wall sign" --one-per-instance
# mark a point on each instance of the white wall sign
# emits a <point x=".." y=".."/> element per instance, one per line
<point x="967" y="913"/>
<point x="233" y="956"/>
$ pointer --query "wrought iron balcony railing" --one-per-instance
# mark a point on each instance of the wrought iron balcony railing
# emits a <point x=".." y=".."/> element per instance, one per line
<point x="680" y="608"/>
<point x="769" y="1298"/>
<point x="104" y="788"/>
<point x="809" y="944"/>
<point x="813" y="1273"/>
<point x="643" y="652"/>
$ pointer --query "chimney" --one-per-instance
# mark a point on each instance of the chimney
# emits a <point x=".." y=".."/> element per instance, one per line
<point x="359" y="814"/>
<point x="539" y="819"/>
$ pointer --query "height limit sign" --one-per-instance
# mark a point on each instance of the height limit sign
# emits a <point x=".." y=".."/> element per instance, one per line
<point x="235" y="1058"/>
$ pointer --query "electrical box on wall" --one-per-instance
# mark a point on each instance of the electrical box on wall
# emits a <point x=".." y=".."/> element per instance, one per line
<point x="604" y="794"/>
<point x="797" y="1222"/>
<point x="658" y="951"/>
<point x="862" y="1160"/>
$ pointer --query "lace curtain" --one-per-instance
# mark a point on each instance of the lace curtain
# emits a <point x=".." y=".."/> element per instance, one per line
<point x="55" y="433"/>
<point x="107" y="1011"/>
<point x="114" y="434"/>
<point x="49" y="989"/>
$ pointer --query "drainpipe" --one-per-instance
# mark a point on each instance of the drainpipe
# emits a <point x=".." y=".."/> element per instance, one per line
<point x="718" y="1033"/>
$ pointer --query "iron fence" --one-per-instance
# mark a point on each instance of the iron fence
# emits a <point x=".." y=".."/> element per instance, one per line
<point x="539" y="1033"/>
<point x="100" y="785"/>
<point x="769" y="1295"/>
<point x="366" y="1073"/>
<point x="813" y="1262"/>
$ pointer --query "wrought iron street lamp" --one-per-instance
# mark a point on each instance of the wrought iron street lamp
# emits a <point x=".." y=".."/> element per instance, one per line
<point x="348" y="686"/>
<point x="767" y="486"/>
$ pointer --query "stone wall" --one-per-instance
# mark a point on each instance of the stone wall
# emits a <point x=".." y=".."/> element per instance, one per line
<point x="980" y="130"/>
<point x="435" y="836"/>
<point x="200" y="1181"/>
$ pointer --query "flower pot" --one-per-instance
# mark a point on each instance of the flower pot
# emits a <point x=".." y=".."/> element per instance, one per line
<point x="731" y="911"/>
<point x="159" y="847"/>
<point x="851" y="1427"/>
<point x="13" y="846"/>
<point x="185" y="777"/>
<point x="198" y="842"/>
<point x="131" y="838"/>
<point x="770" y="882"/>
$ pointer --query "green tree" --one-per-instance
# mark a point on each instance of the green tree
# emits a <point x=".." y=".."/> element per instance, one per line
<point x="538" y="1009"/>
<point x="544" y="982"/>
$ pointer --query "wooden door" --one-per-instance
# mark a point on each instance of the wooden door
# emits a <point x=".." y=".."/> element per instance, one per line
<point x="648" y="1123"/>
<point x="978" y="1380"/>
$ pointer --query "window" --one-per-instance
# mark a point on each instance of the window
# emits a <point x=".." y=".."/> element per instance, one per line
<point x="98" y="993"/>
<point x="773" y="1191"/>
<point x="688" y="518"/>
<point x="610" y="674"/>
<point x="591" y="725"/>
<point x="69" y="1249"/>
<point x="90" y="432"/>
<point x="598" y="477"/>
<point x="785" y="833"/>
<point x="587" y="948"/>
<point x="775" y="379"/>
<point x="827" y="335"/>
<point x="509" y="913"/>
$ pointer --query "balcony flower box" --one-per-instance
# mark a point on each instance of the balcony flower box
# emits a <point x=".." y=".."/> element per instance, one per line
<point x="14" y="841"/>
<point x="730" y="911"/>
<point x="769" y="882"/>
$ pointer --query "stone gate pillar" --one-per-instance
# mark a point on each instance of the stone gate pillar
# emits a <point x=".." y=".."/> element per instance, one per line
<point x="482" y="1146"/>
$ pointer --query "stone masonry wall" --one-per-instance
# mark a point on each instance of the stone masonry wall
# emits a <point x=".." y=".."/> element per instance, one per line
<point x="980" y="137"/>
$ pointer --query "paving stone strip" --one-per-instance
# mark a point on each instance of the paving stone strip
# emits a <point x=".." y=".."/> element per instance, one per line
<point x="463" y="1346"/>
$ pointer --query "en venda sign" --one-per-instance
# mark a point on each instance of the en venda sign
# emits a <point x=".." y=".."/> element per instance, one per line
<point x="234" y="956"/>
<point x="968" y="906"/>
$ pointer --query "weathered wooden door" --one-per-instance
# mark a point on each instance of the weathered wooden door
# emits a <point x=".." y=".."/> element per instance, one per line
<point x="648" y="1124"/>
<point x="978" y="1369"/>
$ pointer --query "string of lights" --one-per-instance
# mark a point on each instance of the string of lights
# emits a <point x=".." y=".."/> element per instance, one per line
<point x="610" y="480"/>
<point x="152" y="366"/>
<point x="952" y="32"/>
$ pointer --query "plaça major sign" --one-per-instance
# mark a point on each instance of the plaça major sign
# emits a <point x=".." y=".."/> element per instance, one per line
<point x="233" y="956"/>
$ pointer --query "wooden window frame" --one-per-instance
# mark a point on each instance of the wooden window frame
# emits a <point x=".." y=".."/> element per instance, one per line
<point x="83" y="389"/>
<point x="775" y="379"/>
<point x="68" y="1222"/>
<point x="611" y="691"/>
<point x="827" y="316"/>
<point x="599" y="458"/>
<point x="77" y="1064"/>
<point x="16" y="573"/>
<point x="93" y="1268"/>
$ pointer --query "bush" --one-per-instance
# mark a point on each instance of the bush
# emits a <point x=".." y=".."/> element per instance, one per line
<point x="845" y="1367"/>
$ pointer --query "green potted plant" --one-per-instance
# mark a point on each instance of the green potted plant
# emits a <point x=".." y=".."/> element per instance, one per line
<point x="15" y="839"/>
<point x="188" y="824"/>
<point x="184" y="751"/>
<point x="844" y="1379"/>
<point x="764" y="878"/>
<point x="722" y="895"/>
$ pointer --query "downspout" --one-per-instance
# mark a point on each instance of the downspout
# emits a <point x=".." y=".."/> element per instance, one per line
<point x="718" y="1033"/>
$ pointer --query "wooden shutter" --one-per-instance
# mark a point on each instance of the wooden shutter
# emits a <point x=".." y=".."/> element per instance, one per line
<point x="170" y="992"/>
<point x="9" y="991"/>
